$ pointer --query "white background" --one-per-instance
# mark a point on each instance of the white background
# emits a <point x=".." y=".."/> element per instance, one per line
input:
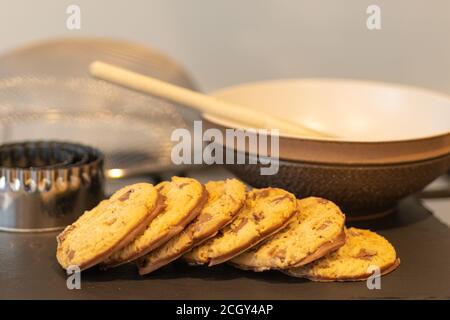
<point x="223" y="42"/>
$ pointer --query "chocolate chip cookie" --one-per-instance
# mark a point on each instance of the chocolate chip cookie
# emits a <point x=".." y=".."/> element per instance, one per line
<point x="184" y="199"/>
<point x="108" y="227"/>
<point x="265" y="212"/>
<point x="225" y="199"/>
<point x="316" y="229"/>
<point x="362" y="252"/>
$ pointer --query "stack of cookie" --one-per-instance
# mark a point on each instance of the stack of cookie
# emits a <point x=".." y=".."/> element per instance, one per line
<point x="221" y="222"/>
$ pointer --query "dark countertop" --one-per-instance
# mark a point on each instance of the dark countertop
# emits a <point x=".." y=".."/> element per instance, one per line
<point x="28" y="270"/>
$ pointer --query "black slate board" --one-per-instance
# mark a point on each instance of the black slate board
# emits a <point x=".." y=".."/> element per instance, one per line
<point x="28" y="270"/>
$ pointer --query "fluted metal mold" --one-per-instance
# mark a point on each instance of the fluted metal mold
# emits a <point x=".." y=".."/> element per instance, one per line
<point x="41" y="190"/>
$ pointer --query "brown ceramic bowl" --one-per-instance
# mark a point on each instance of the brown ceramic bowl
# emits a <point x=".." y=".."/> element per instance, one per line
<point x="388" y="141"/>
<point x="358" y="189"/>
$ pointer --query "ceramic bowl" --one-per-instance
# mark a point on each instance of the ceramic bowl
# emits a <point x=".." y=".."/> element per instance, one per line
<point x="382" y="141"/>
<point x="359" y="190"/>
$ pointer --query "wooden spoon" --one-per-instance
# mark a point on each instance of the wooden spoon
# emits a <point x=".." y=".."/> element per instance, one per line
<point x="205" y="104"/>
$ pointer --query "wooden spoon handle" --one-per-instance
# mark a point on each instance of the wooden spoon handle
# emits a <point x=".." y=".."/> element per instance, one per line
<point x="201" y="102"/>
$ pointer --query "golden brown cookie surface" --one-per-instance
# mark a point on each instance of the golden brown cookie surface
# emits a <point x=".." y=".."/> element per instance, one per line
<point x="225" y="199"/>
<point x="265" y="212"/>
<point x="184" y="199"/>
<point x="108" y="227"/>
<point x="353" y="261"/>
<point x="315" y="230"/>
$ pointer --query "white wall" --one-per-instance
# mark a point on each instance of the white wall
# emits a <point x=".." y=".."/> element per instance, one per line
<point x="226" y="42"/>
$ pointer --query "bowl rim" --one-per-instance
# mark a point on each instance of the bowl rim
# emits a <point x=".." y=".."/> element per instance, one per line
<point x="351" y="153"/>
<point x="392" y="85"/>
<point x="359" y="166"/>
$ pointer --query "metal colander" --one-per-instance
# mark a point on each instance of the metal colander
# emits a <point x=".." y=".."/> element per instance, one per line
<point x="46" y="93"/>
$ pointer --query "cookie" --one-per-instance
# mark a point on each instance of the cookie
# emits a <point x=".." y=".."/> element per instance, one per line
<point x="316" y="229"/>
<point x="184" y="199"/>
<point x="225" y="199"/>
<point x="265" y="212"/>
<point x="108" y="227"/>
<point x="362" y="250"/>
